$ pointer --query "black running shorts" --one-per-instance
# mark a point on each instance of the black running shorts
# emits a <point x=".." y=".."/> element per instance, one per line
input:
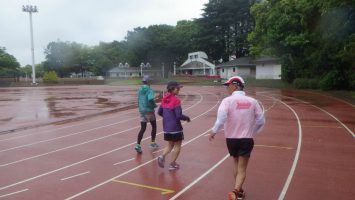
<point x="174" y="137"/>
<point x="240" y="146"/>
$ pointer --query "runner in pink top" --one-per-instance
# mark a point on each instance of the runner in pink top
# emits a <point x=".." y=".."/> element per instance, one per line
<point x="242" y="118"/>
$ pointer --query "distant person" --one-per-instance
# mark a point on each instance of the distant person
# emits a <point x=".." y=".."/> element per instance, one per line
<point x="242" y="118"/>
<point x="171" y="111"/>
<point x="146" y="104"/>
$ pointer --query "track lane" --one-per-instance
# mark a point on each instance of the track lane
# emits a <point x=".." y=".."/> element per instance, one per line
<point x="134" y="138"/>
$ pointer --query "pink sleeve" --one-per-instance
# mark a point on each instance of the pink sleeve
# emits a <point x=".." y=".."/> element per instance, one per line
<point x="259" y="117"/>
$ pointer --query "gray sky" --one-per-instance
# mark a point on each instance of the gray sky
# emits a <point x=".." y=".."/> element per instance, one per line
<point x="84" y="21"/>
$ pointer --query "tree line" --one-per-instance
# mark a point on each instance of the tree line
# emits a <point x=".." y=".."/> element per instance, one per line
<point x="313" y="39"/>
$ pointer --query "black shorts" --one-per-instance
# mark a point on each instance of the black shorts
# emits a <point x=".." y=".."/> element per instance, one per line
<point x="174" y="137"/>
<point x="240" y="146"/>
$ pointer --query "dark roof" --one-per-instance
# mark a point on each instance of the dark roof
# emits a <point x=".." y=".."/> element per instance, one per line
<point x="244" y="61"/>
<point x="248" y="61"/>
<point x="266" y="59"/>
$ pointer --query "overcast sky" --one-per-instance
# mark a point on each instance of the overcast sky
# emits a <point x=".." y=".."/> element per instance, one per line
<point x="84" y="21"/>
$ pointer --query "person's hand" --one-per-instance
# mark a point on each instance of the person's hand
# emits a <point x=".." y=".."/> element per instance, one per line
<point x="211" y="136"/>
<point x="188" y="119"/>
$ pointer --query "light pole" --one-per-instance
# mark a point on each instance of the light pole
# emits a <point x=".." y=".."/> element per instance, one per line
<point x="142" y="65"/>
<point x="30" y="9"/>
<point x="174" y="68"/>
<point x="204" y="69"/>
<point x="163" y="69"/>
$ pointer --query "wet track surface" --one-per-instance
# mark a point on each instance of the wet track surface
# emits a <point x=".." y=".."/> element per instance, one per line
<point x="87" y="149"/>
<point x="22" y="108"/>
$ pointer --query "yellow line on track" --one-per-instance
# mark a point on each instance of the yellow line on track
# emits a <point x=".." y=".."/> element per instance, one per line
<point x="271" y="146"/>
<point x="163" y="191"/>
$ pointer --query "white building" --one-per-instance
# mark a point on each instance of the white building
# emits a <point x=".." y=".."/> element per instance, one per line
<point x="125" y="71"/>
<point x="241" y="66"/>
<point x="267" y="68"/>
<point x="198" y="65"/>
<point x="260" y="68"/>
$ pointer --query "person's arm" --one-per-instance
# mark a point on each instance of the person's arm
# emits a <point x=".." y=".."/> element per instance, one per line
<point x="151" y="99"/>
<point x="179" y="115"/>
<point x="259" y="118"/>
<point x="222" y="114"/>
<point x="160" y="111"/>
<point x="221" y="119"/>
<point x="178" y="111"/>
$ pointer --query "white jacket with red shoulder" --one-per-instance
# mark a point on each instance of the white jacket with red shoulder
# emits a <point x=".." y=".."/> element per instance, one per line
<point x="241" y="116"/>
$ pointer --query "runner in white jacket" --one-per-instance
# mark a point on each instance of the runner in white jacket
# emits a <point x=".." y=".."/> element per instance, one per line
<point x="242" y="118"/>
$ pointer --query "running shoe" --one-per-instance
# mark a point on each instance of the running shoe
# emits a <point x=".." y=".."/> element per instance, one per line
<point x="174" y="166"/>
<point x="236" y="195"/>
<point x="154" y="145"/>
<point x="161" y="161"/>
<point x="138" y="148"/>
<point x="241" y="194"/>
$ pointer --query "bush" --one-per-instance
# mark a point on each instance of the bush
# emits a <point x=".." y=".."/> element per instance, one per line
<point x="50" y="77"/>
<point x="333" y="80"/>
<point x="305" y="83"/>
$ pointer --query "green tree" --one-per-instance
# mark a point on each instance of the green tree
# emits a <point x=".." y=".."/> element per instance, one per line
<point x="59" y="57"/>
<point x="183" y="39"/>
<point x="50" y="77"/>
<point x="9" y="66"/>
<point x="225" y="25"/>
<point x="312" y="37"/>
<point x="151" y="45"/>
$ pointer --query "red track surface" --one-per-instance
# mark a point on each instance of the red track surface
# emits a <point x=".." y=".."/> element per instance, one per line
<point x="306" y="151"/>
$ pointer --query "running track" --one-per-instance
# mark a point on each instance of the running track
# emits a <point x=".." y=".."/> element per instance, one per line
<point x="306" y="151"/>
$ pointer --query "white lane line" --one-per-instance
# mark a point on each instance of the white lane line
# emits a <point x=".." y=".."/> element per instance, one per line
<point x="64" y="136"/>
<point x="51" y="131"/>
<point x="68" y="147"/>
<point x="6" y="195"/>
<point x="139" y="166"/>
<point x="295" y="161"/>
<point x="70" y="177"/>
<point x="336" y="120"/>
<point x="123" y="161"/>
<point x="350" y="104"/>
<point x="348" y="129"/>
<point x="199" y="178"/>
<point x="274" y="103"/>
<point x="262" y="106"/>
<point x="69" y="135"/>
<point x="129" y="171"/>
<point x="86" y="142"/>
<point x="91" y="158"/>
<point x="79" y="124"/>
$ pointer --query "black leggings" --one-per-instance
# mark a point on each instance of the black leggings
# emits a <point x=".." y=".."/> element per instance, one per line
<point x="143" y="127"/>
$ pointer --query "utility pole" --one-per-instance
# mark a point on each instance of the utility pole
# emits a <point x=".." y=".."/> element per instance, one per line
<point x="204" y="69"/>
<point x="31" y="9"/>
<point x="174" y="68"/>
<point x="142" y="65"/>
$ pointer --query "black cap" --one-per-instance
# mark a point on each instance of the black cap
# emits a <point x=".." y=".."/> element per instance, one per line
<point x="173" y="84"/>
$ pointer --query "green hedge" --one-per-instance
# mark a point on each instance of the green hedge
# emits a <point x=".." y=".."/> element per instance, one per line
<point x="50" y="77"/>
<point x="306" y="83"/>
<point x="333" y="80"/>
